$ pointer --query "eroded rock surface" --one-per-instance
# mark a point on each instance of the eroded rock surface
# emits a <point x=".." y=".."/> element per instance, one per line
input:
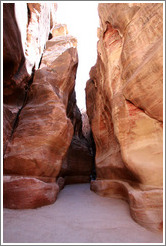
<point x="40" y="132"/>
<point x="24" y="38"/>
<point x="44" y="132"/>
<point x="124" y="105"/>
<point x="15" y="75"/>
<point x="41" y="20"/>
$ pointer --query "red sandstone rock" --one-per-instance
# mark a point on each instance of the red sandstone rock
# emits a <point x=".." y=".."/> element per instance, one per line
<point x="14" y="68"/>
<point x="15" y="75"/>
<point x="28" y="192"/>
<point x="37" y="139"/>
<point x="44" y="132"/>
<point x="124" y="105"/>
<point x="24" y="38"/>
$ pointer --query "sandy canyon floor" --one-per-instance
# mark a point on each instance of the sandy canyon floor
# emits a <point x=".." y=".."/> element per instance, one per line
<point x="78" y="216"/>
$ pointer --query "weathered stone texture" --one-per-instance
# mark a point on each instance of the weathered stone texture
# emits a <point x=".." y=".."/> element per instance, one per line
<point x="24" y="38"/>
<point x="124" y="105"/>
<point x="44" y="132"/>
<point x="37" y="131"/>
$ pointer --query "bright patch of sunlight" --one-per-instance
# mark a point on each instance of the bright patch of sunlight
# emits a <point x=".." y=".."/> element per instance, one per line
<point x="82" y="21"/>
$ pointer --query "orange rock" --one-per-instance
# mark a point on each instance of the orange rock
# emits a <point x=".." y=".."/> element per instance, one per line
<point x="59" y="30"/>
<point x="124" y="104"/>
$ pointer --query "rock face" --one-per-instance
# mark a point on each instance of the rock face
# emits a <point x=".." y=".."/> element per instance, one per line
<point x="37" y="131"/>
<point x="23" y="192"/>
<point x="124" y="105"/>
<point x="41" y="21"/>
<point x="14" y="70"/>
<point x="44" y="132"/>
<point x="24" y="38"/>
<point x="77" y="164"/>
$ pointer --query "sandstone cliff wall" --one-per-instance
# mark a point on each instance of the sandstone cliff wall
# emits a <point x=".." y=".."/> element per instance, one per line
<point x="124" y="105"/>
<point x="25" y="31"/>
<point x="38" y="91"/>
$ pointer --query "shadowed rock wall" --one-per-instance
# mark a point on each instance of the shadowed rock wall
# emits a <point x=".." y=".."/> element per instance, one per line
<point x="77" y="164"/>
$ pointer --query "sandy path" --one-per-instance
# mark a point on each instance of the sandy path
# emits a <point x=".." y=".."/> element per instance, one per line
<point x="78" y="216"/>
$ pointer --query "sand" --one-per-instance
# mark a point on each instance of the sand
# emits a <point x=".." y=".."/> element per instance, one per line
<point x="78" y="216"/>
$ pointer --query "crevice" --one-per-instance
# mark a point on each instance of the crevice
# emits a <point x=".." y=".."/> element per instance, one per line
<point x="29" y="14"/>
<point x="40" y="60"/>
<point x="50" y="36"/>
<point x="93" y="149"/>
<point x="27" y="88"/>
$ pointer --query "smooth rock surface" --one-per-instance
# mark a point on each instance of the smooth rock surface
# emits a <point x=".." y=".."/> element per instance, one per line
<point x="76" y="217"/>
<point x="44" y="132"/>
<point x="28" y="192"/>
<point x="124" y="100"/>
<point x="145" y="203"/>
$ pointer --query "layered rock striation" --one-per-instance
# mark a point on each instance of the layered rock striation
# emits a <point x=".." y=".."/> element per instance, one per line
<point x="24" y="38"/>
<point x="124" y="105"/>
<point x="40" y="112"/>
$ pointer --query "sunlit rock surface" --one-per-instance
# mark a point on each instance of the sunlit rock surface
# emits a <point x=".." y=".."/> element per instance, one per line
<point x="39" y="136"/>
<point x="24" y="38"/>
<point x="59" y="30"/>
<point x="41" y="19"/>
<point x="124" y="105"/>
<point x="44" y="132"/>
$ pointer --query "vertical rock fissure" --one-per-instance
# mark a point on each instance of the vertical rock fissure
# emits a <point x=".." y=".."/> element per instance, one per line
<point x="16" y="120"/>
<point x="93" y="150"/>
<point x="27" y="88"/>
<point x="77" y="166"/>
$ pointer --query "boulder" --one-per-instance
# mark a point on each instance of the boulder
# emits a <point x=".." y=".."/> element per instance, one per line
<point x="28" y="192"/>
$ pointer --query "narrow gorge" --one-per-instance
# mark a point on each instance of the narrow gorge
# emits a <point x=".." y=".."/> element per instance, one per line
<point x="117" y="145"/>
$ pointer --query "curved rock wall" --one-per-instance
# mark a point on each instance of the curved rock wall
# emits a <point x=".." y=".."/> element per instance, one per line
<point x="37" y="131"/>
<point x="124" y="105"/>
<point x="24" y="38"/>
